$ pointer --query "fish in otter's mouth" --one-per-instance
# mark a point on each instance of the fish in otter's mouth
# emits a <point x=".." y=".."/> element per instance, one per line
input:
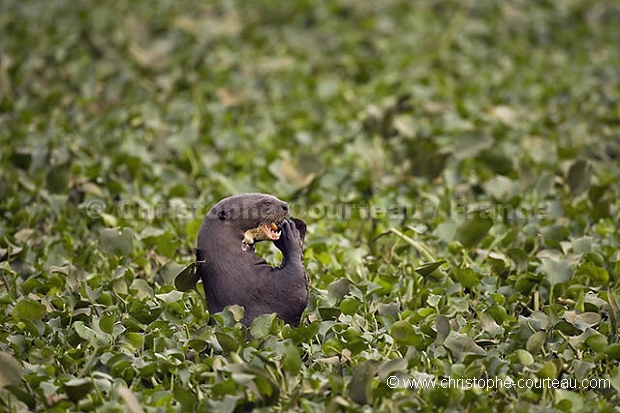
<point x="267" y="231"/>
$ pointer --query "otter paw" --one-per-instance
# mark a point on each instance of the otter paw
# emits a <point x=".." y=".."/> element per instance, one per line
<point x="290" y="239"/>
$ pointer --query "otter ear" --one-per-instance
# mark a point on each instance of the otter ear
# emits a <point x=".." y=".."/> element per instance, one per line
<point x="223" y="214"/>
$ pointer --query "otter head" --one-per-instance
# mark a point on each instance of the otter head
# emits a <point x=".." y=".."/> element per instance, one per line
<point x="255" y="216"/>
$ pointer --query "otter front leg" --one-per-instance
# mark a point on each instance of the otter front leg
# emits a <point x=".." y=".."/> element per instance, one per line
<point x="291" y="281"/>
<point x="291" y="242"/>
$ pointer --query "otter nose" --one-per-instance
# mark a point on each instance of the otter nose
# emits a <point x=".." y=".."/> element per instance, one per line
<point x="284" y="206"/>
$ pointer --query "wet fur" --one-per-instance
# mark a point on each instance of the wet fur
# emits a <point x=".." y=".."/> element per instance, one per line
<point x="234" y="275"/>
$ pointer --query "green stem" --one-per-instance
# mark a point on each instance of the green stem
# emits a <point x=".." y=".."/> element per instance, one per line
<point x="416" y="245"/>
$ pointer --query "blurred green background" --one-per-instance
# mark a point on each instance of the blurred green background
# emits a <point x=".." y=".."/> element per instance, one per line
<point x="456" y="161"/>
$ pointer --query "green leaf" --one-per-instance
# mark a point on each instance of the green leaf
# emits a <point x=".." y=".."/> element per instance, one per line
<point x="170" y="297"/>
<point x="520" y="258"/>
<point x="582" y="320"/>
<point x="446" y="231"/>
<point x="91" y="336"/>
<point x="466" y="277"/>
<point x="329" y="313"/>
<point x="460" y="346"/>
<point x="548" y="370"/>
<point x="568" y="401"/>
<point x="170" y="271"/>
<point x="583" y="368"/>
<point x="579" y="176"/>
<point x="261" y="326"/>
<point x="597" y="342"/>
<point x="557" y="272"/>
<point x="470" y="145"/>
<point x="57" y="179"/>
<point x="29" y="310"/>
<point x="402" y="332"/>
<point x="582" y="245"/>
<point x="116" y="242"/>
<point x="119" y="286"/>
<point x="615" y="380"/>
<point x="360" y="388"/>
<point x="106" y="324"/>
<point x="596" y="274"/>
<point x="301" y="333"/>
<point x="77" y="389"/>
<point x="391" y="366"/>
<point x="339" y="288"/>
<point x="185" y="396"/>
<point x="429" y="267"/>
<point x="11" y="371"/>
<point x="23" y="396"/>
<point x="349" y="305"/>
<point x="524" y="357"/>
<point x="21" y="157"/>
<point x="442" y="325"/>
<point x="292" y="359"/>
<point x="535" y="342"/>
<point x="227" y="342"/>
<point x="489" y="325"/>
<point x="498" y="313"/>
<point x="613" y="351"/>
<point x="197" y="344"/>
<point x="332" y="346"/>
<point x="135" y="339"/>
<point x="502" y="188"/>
<point x="434" y="300"/>
<point x="391" y="309"/>
<point x="567" y="328"/>
<point x="473" y="230"/>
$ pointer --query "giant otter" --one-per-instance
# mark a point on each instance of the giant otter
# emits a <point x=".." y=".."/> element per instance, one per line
<point x="232" y="273"/>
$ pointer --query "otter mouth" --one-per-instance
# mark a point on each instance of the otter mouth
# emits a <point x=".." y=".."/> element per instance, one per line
<point x="268" y="231"/>
<point x="271" y="231"/>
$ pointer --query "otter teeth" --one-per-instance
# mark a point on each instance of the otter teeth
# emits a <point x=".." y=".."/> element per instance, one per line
<point x="269" y="231"/>
<point x="274" y="231"/>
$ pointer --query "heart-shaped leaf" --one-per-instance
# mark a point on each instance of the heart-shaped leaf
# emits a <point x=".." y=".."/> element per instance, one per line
<point x="582" y="320"/>
<point x="579" y="176"/>
<point x="76" y="389"/>
<point x="466" y="277"/>
<point x="360" y="389"/>
<point x="28" y="310"/>
<point x="471" y="231"/>
<point x="557" y="272"/>
<point x="442" y="325"/>
<point x="402" y="332"/>
<point x="391" y="366"/>
<point x="187" y="279"/>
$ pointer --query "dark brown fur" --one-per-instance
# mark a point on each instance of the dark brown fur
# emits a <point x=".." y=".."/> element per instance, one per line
<point x="232" y="274"/>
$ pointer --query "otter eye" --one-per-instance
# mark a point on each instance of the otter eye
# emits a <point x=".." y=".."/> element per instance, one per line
<point x="266" y="203"/>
